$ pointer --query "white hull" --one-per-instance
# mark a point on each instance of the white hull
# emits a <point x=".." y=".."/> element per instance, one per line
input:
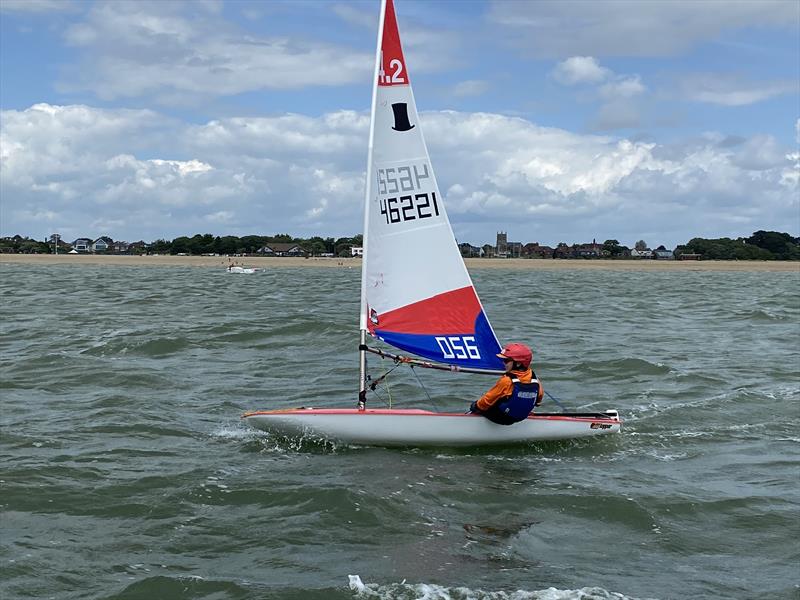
<point x="424" y="428"/>
<point x="245" y="270"/>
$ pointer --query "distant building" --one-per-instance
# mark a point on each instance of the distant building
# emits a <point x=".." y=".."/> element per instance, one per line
<point x="282" y="249"/>
<point x="593" y="250"/>
<point x="139" y="247"/>
<point x="469" y="251"/>
<point x="535" y="250"/>
<point x="641" y="253"/>
<point x="356" y="251"/>
<point x="82" y="245"/>
<point x="102" y="244"/>
<point x="562" y="251"/>
<point x="501" y="247"/>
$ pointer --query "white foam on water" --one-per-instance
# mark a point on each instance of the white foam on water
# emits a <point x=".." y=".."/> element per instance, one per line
<point x="426" y="591"/>
<point x="238" y="431"/>
<point x="272" y="443"/>
<point x="356" y="584"/>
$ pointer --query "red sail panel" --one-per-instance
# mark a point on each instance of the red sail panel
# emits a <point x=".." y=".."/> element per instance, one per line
<point x="453" y="312"/>
<point x="393" y="69"/>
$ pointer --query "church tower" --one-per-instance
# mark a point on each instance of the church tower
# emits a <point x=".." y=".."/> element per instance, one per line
<point x="501" y="249"/>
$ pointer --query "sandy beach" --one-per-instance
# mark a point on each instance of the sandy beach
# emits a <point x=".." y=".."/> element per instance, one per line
<point x="473" y="263"/>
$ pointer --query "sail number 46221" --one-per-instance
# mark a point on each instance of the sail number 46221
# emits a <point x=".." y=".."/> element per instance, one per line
<point x="454" y="346"/>
<point x="405" y="192"/>
<point x="409" y="208"/>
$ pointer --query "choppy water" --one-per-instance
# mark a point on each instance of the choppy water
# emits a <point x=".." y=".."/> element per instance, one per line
<point x="126" y="472"/>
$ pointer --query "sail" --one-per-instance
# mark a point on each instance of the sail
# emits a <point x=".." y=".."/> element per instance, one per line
<point x="416" y="293"/>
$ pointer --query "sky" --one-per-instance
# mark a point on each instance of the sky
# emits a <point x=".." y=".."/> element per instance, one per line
<point x="554" y="121"/>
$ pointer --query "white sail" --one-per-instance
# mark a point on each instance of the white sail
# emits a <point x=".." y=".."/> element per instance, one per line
<point x="416" y="293"/>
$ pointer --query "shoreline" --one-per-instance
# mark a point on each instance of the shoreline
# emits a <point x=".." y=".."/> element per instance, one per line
<point x="261" y="262"/>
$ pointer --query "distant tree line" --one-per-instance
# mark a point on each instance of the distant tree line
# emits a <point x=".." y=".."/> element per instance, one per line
<point x="762" y="245"/>
<point x="250" y="244"/>
<point x="24" y="245"/>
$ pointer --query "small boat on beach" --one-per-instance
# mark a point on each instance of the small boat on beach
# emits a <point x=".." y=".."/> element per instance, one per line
<point x="417" y="295"/>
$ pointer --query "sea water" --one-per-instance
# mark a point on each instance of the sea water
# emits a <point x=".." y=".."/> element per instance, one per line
<point x="126" y="471"/>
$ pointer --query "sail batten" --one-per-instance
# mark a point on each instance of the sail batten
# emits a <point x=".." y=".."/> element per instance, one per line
<point x="416" y="292"/>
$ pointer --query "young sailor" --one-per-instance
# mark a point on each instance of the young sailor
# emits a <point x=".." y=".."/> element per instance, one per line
<point x="516" y="393"/>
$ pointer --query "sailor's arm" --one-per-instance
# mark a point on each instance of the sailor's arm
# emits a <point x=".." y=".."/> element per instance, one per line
<point x="501" y="389"/>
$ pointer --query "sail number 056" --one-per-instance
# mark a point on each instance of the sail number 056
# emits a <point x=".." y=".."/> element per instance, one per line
<point x="454" y="346"/>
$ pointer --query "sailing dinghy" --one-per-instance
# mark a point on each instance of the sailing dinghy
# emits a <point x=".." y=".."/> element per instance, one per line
<point x="416" y="293"/>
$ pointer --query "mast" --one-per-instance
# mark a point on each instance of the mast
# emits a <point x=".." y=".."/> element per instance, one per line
<point x="362" y="348"/>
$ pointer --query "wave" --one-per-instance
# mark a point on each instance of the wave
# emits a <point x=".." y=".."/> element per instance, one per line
<point x="428" y="591"/>
<point x="621" y="368"/>
<point x="763" y="315"/>
<point x="186" y="586"/>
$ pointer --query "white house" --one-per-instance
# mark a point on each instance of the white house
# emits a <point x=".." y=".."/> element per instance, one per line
<point x="82" y="245"/>
<point x="102" y="244"/>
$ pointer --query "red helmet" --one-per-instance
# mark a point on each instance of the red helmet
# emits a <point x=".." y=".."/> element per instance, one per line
<point x="519" y="353"/>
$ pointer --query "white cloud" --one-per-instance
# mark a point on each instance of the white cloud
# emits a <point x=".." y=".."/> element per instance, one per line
<point x="580" y="69"/>
<point x="219" y="217"/>
<point x="355" y="15"/>
<point x="618" y="108"/>
<point x="37" y="6"/>
<point x="549" y="182"/>
<point x="471" y="87"/>
<point x="182" y="53"/>
<point x="176" y="52"/>
<point x="76" y="162"/>
<point x="759" y="153"/>
<point x="729" y="90"/>
<point x="90" y="171"/>
<point x="553" y="28"/>
<point x="790" y="177"/>
<point x="623" y="87"/>
<point x="183" y="168"/>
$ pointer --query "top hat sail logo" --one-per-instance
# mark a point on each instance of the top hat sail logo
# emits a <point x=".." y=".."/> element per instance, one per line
<point x="401" y="122"/>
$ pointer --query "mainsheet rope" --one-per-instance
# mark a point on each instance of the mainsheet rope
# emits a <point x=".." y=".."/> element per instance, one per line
<point x="554" y="399"/>
<point x="422" y="385"/>
<point x="374" y="383"/>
